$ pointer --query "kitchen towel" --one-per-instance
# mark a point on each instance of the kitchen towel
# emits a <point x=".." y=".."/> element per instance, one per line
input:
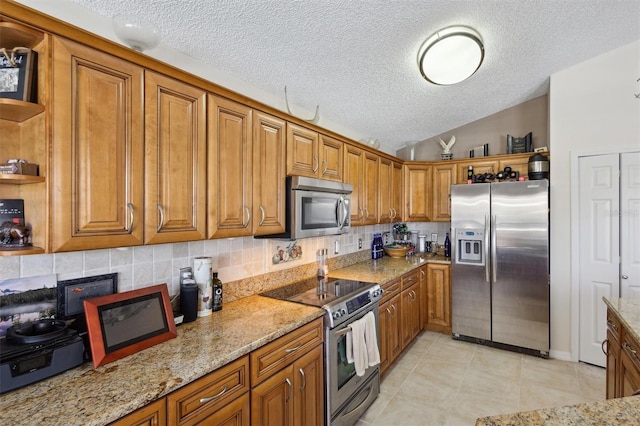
<point x="362" y="344"/>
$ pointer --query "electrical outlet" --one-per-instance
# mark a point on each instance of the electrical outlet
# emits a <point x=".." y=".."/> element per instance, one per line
<point x="359" y="243"/>
<point x="434" y="237"/>
<point x="336" y="247"/>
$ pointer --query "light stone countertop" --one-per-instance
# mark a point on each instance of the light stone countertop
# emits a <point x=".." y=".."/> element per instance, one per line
<point x="611" y="412"/>
<point x="88" y="396"/>
<point x="386" y="269"/>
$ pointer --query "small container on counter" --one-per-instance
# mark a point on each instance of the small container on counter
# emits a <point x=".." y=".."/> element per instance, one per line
<point x="202" y="275"/>
<point x="217" y="291"/>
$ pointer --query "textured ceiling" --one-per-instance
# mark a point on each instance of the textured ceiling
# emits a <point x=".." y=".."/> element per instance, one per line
<point x="357" y="59"/>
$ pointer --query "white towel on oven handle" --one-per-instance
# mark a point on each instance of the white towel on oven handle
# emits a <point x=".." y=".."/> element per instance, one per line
<point x="362" y="344"/>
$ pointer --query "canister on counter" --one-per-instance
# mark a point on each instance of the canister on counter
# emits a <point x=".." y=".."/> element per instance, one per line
<point x="202" y="275"/>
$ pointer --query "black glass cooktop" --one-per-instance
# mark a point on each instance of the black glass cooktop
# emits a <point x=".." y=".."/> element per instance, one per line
<point x="319" y="292"/>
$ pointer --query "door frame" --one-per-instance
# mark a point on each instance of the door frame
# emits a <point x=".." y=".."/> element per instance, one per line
<point x="575" y="239"/>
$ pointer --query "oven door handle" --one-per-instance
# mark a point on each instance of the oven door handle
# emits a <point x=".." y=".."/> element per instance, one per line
<point x="343" y="331"/>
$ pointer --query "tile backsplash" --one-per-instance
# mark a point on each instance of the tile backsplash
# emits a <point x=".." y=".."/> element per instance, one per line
<point x="245" y="263"/>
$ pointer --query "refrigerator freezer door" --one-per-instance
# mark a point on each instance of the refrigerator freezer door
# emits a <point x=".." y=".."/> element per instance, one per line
<point x="471" y="289"/>
<point x="520" y="264"/>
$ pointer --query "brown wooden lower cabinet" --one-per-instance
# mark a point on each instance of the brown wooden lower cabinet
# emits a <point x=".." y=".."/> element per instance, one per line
<point x="154" y="414"/>
<point x="623" y="359"/>
<point x="438" y="285"/>
<point x="390" y="344"/>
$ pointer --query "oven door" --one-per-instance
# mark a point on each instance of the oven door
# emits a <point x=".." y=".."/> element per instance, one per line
<point x="342" y="381"/>
<point x="320" y="213"/>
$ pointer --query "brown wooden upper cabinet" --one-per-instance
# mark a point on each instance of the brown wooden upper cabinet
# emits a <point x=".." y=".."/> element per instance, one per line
<point x="97" y="152"/>
<point x="230" y="168"/>
<point x="417" y="188"/>
<point x="269" y="156"/>
<point x="389" y="190"/>
<point x="312" y="154"/>
<point x="444" y="175"/>
<point x="175" y="163"/>
<point x="361" y="171"/>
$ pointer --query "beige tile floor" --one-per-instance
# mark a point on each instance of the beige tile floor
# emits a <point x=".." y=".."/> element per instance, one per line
<point x="441" y="381"/>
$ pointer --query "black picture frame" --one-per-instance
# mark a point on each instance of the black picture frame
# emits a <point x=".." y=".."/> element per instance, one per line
<point x="71" y="294"/>
<point x="125" y="323"/>
<point x="18" y="82"/>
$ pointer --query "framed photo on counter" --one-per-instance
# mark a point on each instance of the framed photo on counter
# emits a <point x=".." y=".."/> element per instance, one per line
<point x="125" y="323"/>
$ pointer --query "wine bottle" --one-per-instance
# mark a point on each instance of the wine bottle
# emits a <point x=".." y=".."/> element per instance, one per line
<point x="470" y="174"/>
<point x="447" y="246"/>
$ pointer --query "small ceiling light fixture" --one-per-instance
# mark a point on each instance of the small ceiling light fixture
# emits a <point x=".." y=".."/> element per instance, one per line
<point x="136" y="32"/>
<point x="451" y="55"/>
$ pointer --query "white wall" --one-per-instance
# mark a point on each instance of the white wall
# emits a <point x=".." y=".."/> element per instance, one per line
<point x="592" y="109"/>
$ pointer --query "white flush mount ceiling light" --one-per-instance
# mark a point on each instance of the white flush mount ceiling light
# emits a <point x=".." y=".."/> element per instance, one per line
<point x="451" y="55"/>
<point x="136" y="32"/>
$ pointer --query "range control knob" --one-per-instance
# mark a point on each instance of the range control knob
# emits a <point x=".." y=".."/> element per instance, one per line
<point x="336" y="315"/>
<point x="343" y="311"/>
<point x="377" y="292"/>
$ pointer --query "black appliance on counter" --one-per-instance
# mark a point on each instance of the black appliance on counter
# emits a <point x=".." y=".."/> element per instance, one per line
<point x="36" y="351"/>
<point x="347" y="395"/>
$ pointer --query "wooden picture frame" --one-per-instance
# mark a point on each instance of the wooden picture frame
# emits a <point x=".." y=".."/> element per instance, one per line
<point x="18" y="74"/>
<point x="125" y="323"/>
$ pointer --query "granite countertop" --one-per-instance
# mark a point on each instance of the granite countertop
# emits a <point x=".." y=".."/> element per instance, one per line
<point x="386" y="269"/>
<point x="628" y="311"/>
<point x="612" y="412"/>
<point x="617" y="411"/>
<point x="88" y="396"/>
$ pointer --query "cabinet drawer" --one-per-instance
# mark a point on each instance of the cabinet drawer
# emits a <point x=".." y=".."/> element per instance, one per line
<point x="198" y="400"/>
<point x="391" y="289"/>
<point x="613" y="325"/>
<point x="410" y="278"/>
<point x="272" y="357"/>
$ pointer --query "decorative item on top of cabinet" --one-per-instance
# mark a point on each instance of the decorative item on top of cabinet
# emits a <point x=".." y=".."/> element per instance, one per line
<point x="230" y="157"/>
<point x="97" y="149"/>
<point x="175" y="161"/>
<point x="417" y="187"/>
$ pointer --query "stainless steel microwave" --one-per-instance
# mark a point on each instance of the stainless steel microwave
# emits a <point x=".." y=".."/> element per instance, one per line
<point x="314" y="208"/>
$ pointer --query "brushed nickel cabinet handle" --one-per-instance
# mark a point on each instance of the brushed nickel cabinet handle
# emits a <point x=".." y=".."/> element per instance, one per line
<point x="130" y="208"/>
<point x="315" y="163"/>
<point x="262" y="215"/>
<point x="289" y="350"/>
<point x="304" y="380"/>
<point x="325" y="168"/>
<point x="288" y="382"/>
<point x="246" y="210"/>
<point x="161" y="224"/>
<point x="219" y="394"/>
<point x="612" y="325"/>
<point x="629" y="348"/>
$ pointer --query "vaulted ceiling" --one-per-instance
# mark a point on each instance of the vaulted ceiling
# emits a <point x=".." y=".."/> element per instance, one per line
<point x="357" y="59"/>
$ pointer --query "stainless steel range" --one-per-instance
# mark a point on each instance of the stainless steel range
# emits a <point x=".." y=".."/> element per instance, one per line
<point x="347" y="395"/>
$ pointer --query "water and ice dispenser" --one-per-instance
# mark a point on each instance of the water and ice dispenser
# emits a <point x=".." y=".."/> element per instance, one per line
<point x="470" y="246"/>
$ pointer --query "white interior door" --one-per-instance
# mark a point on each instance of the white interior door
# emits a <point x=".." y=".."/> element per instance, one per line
<point x="599" y="249"/>
<point x="630" y="225"/>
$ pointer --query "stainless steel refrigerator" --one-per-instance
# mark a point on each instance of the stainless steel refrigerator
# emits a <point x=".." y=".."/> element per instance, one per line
<point x="500" y="264"/>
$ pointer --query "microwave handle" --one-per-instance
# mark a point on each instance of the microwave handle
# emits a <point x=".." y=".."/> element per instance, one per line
<point x="341" y="212"/>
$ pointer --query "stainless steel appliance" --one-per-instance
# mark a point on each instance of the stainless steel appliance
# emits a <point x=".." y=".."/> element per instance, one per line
<point x="500" y="264"/>
<point x="315" y="207"/>
<point x="347" y="395"/>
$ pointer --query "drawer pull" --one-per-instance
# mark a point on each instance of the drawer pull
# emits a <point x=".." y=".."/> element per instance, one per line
<point x="629" y="348"/>
<point x="612" y="325"/>
<point x="289" y="350"/>
<point x="219" y="394"/>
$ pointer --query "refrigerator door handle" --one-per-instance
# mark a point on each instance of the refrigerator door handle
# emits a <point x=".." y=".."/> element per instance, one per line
<point x="494" y="257"/>
<point x="486" y="248"/>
